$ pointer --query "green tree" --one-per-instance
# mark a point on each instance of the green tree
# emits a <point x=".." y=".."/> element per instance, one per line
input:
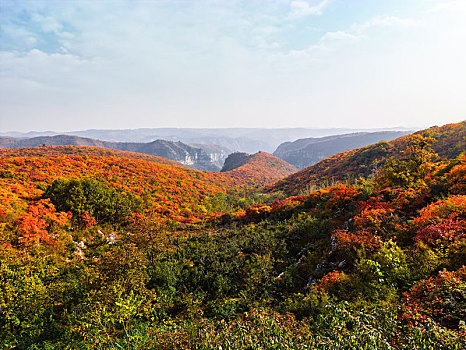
<point x="411" y="170"/>
<point x="90" y="198"/>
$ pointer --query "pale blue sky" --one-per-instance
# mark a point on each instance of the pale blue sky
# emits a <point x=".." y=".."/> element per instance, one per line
<point x="68" y="65"/>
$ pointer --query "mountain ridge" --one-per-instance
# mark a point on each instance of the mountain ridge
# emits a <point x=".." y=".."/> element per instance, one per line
<point x="305" y="152"/>
<point x="194" y="157"/>
<point x="249" y="140"/>
<point x="361" y="162"/>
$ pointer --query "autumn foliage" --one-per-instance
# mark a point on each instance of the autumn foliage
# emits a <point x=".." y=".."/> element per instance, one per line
<point x="448" y="142"/>
<point x="106" y="249"/>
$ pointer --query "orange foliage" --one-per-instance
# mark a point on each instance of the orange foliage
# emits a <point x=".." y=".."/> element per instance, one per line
<point x="457" y="177"/>
<point x="336" y="197"/>
<point x="84" y="151"/>
<point x="443" y="209"/>
<point x="40" y="215"/>
<point x="168" y="189"/>
<point x="257" y="212"/>
<point x="262" y="168"/>
<point x="373" y="220"/>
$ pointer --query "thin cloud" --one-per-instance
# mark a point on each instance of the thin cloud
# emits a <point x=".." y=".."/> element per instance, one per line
<point x="18" y="35"/>
<point x="384" y="21"/>
<point x="358" y="31"/>
<point x="301" y="8"/>
<point x="47" y="23"/>
<point x="99" y="61"/>
<point x="338" y="36"/>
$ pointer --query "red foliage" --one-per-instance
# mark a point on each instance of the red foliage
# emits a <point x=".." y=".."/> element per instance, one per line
<point x="374" y="203"/>
<point x="441" y="220"/>
<point x="88" y="220"/>
<point x="440" y="298"/>
<point x="329" y="280"/>
<point x="409" y="200"/>
<point x="346" y="240"/>
<point x="445" y="232"/>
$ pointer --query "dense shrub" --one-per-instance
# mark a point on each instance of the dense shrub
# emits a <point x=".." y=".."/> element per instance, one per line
<point x="87" y="199"/>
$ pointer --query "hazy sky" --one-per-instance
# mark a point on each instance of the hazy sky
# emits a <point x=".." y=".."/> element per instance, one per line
<point x="68" y="65"/>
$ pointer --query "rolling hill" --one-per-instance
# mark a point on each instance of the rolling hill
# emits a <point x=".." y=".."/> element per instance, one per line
<point x="362" y="162"/>
<point x="235" y="160"/>
<point x="168" y="189"/>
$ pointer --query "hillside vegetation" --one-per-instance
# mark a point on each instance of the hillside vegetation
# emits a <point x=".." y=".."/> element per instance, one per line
<point x="167" y="189"/>
<point x="362" y="162"/>
<point x="261" y="165"/>
<point x="109" y="252"/>
<point x="84" y="151"/>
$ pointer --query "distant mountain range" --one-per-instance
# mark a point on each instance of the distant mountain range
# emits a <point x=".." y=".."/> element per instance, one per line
<point x="250" y="140"/>
<point x="200" y="157"/>
<point x="305" y="152"/>
<point x="209" y="152"/>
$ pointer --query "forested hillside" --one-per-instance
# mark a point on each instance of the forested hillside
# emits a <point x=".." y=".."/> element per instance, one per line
<point x="450" y="141"/>
<point x="260" y="165"/>
<point x="165" y="188"/>
<point x="102" y="250"/>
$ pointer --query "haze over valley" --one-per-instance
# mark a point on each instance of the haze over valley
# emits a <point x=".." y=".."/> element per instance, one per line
<point x="207" y="156"/>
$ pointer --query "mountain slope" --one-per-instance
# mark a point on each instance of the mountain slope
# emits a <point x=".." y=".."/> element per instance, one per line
<point x="169" y="191"/>
<point x="305" y="152"/>
<point x="361" y="162"/>
<point x="106" y="261"/>
<point x="194" y="157"/>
